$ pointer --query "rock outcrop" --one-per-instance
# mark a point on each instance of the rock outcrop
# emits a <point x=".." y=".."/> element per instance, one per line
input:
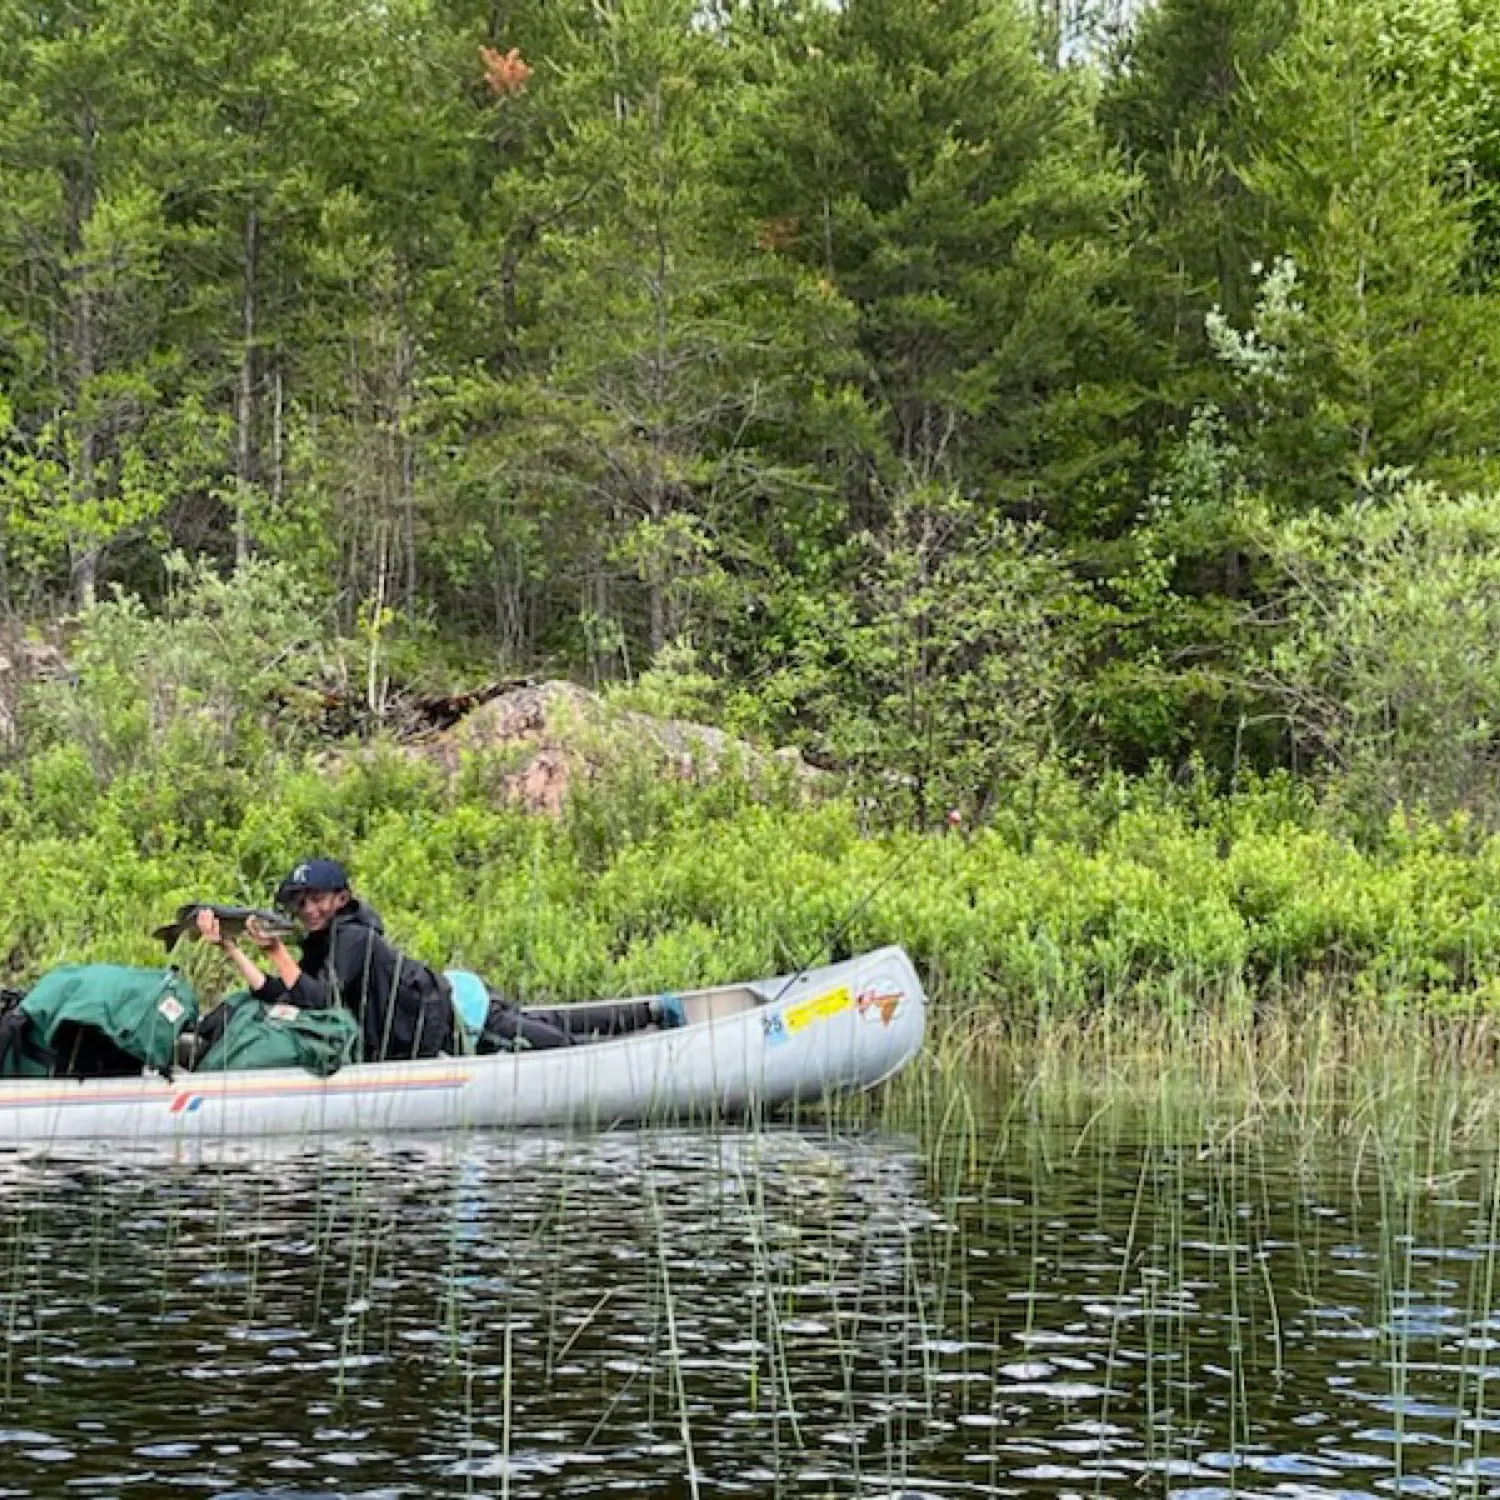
<point x="23" y="660"/>
<point x="547" y="738"/>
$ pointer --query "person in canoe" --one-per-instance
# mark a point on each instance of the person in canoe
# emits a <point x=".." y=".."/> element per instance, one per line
<point x="405" y="1008"/>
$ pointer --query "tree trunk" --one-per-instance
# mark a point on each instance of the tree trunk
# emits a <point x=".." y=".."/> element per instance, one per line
<point x="244" y="407"/>
<point x="1051" y="32"/>
<point x="278" y="439"/>
<point x="83" y="576"/>
<point x="406" y="453"/>
<point x="657" y="501"/>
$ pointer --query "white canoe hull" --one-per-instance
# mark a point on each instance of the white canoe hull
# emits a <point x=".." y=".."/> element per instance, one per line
<point x="825" y="1032"/>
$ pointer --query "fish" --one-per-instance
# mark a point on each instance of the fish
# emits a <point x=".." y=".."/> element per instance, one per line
<point x="232" y="920"/>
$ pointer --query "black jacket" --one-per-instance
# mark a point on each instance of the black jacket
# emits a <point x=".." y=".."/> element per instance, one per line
<point x="404" y="1008"/>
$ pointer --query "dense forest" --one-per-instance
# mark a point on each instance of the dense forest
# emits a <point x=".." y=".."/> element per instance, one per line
<point x="948" y="387"/>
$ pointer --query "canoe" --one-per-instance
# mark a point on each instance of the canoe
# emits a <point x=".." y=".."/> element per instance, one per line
<point x="746" y="1047"/>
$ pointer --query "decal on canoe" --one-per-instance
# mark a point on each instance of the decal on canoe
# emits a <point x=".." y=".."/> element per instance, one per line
<point x="189" y="1100"/>
<point x="774" y="1029"/>
<point x="817" y="1008"/>
<point x="878" y="1005"/>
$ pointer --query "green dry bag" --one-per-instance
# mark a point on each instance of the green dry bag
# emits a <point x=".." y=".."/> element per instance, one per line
<point x="257" y="1035"/>
<point x="95" y="1020"/>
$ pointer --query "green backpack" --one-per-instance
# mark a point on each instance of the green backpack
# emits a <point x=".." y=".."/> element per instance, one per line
<point x="98" y="1020"/>
<point x="257" y="1035"/>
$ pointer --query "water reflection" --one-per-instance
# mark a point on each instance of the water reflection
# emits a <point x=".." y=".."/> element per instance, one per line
<point x="772" y="1312"/>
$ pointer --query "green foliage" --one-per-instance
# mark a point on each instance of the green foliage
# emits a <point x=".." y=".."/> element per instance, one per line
<point x="945" y="673"/>
<point x="169" y="712"/>
<point x="1387" y="359"/>
<point x="156" y="776"/>
<point x="922" y="366"/>
<point x="1446" y="55"/>
<point x="1135" y="895"/>
<point x="677" y="685"/>
<point x="927" y="165"/>
<point x="1386" y="666"/>
<point x="1304" y="254"/>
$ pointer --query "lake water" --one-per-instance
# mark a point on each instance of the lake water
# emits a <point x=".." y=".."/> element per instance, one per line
<point x="1069" y="1304"/>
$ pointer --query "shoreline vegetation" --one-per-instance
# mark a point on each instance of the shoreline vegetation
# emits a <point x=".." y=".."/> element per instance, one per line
<point x="1158" y="915"/>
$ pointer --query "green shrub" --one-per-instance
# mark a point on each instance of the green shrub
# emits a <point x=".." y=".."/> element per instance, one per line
<point x="157" y="777"/>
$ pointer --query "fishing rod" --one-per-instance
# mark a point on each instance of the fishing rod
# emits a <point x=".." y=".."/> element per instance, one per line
<point x="952" y="821"/>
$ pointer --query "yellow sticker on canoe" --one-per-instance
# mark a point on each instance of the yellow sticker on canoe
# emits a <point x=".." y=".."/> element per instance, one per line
<point x="818" y="1008"/>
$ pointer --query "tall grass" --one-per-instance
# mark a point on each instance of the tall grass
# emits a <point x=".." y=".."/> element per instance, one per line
<point x="1162" y="1194"/>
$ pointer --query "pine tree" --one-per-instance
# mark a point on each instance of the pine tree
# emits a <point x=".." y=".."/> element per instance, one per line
<point x="1392" y="359"/>
<point x="1176" y="101"/>
<point x="665" y="349"/>
<point x="1445" y="54"/>
<point x="265" y="94"/>
<point x="938" y="175"/>
<point x="84" y="300"/>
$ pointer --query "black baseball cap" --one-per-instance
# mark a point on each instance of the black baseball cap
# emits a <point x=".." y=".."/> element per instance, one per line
<point x="313" y="875"/>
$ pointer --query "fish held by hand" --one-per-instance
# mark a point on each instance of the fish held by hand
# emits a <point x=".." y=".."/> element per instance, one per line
<point x="232" y="922"/>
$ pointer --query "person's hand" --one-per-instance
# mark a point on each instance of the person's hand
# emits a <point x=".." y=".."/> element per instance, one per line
<point x="208" y="927"/>
<point x="267" y="942"/>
